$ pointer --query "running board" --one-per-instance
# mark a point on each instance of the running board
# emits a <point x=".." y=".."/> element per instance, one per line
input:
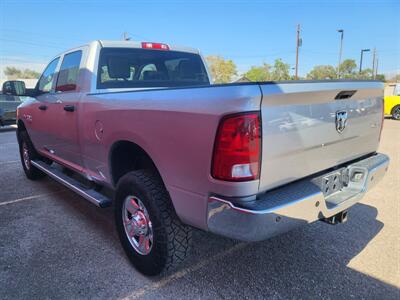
<point x="89" y="194"/>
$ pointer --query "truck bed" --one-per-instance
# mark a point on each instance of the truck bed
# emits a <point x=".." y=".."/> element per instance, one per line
<point x="298" y="121"/>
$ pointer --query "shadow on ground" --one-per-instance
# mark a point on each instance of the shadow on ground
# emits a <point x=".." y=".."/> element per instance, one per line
<point x="308" y="262"/>
<point x="64" y="247"/>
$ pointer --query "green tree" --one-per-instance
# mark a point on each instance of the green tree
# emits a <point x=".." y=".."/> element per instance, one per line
<point x="259" y="73"/>
<point x="30" y="74"/>
<point x="222" y="70"/>
<point x="380" y="77"/>
<point x="280" y="70"/>
<point x="14" y="73"/>
<point x="365" y="74"/>
<point x="348" y="68"/>
<point x="322" y="72"/>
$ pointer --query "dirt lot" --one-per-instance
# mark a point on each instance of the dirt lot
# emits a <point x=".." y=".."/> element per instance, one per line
<point x="54" y="244"/>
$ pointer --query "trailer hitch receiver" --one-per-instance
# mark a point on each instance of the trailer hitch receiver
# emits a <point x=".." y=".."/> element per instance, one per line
<point x="336" y="219"/>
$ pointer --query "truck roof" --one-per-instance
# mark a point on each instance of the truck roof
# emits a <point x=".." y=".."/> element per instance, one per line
<point x="130" y="44"/>
<point x="138" y="44"/>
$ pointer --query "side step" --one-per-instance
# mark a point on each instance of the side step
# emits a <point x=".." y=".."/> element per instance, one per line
<point x="89" y="194"/>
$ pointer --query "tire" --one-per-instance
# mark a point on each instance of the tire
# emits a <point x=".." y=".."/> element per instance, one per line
<point x="27" y="153"/>
<point x="165" y="239"/>
<point x="396" y="112"/>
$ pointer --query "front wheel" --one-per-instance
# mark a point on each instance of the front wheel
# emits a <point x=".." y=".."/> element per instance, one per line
<point x="396" y="112"/>
<point x="151" y="234"/>
<point x="28" y="153"/>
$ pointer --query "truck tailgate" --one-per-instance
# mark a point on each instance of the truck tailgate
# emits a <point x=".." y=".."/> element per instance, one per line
<point x="301" y="127"/>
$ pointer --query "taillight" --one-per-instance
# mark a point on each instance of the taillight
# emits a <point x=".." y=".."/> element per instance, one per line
<point x="237" y="148"/>
<point x="147" y="45"/>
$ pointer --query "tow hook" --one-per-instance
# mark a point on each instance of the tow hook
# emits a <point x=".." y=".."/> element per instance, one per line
<point x="336" y="219"/>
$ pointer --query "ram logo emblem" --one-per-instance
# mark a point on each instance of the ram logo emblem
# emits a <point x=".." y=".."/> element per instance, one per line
<point x="341" y="120"/>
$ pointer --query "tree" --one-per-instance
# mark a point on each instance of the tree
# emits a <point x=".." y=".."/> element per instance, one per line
<point x="348" y="68"/>
<point x="221" y="70"/>
<point x="14" y="73"/>
<point x="280" y="70"/>
<point x="259" y="73"/>
<point x="365" y="74"/>
<point x="30" y="74"/>
<point x="322" y="72"/>
<point x="380" y="77"/>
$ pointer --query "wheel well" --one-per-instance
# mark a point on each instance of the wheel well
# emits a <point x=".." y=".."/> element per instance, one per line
<point x="126" y="156"/>
<point x="21" y="128"/>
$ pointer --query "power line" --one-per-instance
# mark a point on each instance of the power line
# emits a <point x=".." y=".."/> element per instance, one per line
<point x="41" y="35"/>
<point x="29" y="43"/>
<point x="259" y="56"/>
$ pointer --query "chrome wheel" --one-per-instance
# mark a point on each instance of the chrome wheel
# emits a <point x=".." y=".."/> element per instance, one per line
<point x="25" y="156"/>
<point x="396" y="113"/>
<point x="137" y="225"/>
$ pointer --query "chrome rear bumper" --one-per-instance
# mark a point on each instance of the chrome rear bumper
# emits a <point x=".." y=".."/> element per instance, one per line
<point x="294" y="204"/>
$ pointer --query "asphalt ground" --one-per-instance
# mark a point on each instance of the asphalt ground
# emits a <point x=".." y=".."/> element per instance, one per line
<point x="54" y="244"/>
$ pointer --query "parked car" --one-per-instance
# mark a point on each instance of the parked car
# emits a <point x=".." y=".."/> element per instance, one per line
<point x="141" y="126"/>
<point x="392" y="101"/>
<point x="8" y="108"/>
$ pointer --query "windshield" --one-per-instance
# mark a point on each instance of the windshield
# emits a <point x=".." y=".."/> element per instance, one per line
<point x="136" y="68"/>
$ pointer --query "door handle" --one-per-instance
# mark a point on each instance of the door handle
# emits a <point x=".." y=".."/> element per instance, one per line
<point x="43" y="107"/>
<point x="69" y="108"/>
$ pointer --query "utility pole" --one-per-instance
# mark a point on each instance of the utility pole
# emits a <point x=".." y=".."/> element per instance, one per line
<point x="373" y="63"/>
<point x="361" y="58"/>
<point x="341" y="31"/>
<point x="376" y="67"/>
<point x="126" y="37"/>
<point x="298" y="45"/>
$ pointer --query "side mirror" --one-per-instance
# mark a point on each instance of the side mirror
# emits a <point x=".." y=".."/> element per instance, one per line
<point x="14" y="87"/>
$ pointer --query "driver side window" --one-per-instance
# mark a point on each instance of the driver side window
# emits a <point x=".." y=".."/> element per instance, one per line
<point x="47" y="78"/>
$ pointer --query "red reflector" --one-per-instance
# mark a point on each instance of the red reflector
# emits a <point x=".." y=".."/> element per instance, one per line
<point x="147" y="45"/>
<point x="237" y="148"/>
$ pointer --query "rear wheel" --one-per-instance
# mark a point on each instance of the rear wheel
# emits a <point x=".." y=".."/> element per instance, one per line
<point x="396" y="112"/>
<point x="28" y="153"/>
<point x="151" y="234"/>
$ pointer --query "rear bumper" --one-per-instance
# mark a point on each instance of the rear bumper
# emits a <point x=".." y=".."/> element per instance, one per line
<point x="293" y="205"/>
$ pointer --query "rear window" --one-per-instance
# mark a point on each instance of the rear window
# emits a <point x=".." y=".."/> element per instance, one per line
<point x="142" y="68"/>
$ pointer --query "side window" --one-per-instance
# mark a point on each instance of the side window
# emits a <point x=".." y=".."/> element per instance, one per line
<point x="69" y="70"/>
<point x="397" y="90"/>
<point x="47" y="78"/>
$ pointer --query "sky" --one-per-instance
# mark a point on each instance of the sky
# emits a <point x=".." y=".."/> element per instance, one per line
<point x="249" y="32"/>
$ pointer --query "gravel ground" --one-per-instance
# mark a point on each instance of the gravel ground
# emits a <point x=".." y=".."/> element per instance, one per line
<point x="54" y="244"/>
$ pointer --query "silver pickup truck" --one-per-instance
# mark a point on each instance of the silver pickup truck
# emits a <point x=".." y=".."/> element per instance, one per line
<point x="141" y="126"/>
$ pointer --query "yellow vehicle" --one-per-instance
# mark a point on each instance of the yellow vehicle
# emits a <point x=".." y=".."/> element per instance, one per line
<point x="392" y="100"/>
